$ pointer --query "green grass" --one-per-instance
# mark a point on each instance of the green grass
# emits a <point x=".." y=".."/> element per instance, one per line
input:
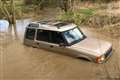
<point x="87" y="11"/>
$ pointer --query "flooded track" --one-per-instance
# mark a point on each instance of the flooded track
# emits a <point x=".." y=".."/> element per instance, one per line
<point x="20" y="62"/>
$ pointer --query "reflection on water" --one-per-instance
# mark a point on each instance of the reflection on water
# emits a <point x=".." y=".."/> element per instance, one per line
<point x="4" y="25"/>
<point x="21" y="25"/>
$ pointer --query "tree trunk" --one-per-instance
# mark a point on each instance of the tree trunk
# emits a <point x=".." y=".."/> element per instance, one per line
<point x="66" y="5"/>
<point x="4" y="10"/>
<point x="13" y="17"/>
<point x="9" y="15"/>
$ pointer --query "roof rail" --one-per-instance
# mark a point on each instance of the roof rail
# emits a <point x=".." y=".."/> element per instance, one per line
<point x="61" y="24"/>
<point x="33" y="25"/>
<point x="43" y="22"/>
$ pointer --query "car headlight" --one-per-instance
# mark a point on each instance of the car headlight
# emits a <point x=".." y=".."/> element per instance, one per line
<point x="100" y="59"/>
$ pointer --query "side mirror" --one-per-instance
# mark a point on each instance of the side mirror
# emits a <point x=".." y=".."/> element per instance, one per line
<point x="62" y="45"/>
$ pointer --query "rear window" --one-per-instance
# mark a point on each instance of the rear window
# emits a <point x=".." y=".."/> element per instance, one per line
<point x="30" y="33"/>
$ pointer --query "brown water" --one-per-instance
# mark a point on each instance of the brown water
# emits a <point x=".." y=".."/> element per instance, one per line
<point x="19" y="62"/>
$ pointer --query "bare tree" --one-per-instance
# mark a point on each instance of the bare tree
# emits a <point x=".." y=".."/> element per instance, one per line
<point x="13" y="16"/>
<point x="9" y="14"/>
<point x="66" y="5"/>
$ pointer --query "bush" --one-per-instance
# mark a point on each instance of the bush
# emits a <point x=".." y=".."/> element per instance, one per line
<point x="103" y="20"/>
<point x="78" y="17"/>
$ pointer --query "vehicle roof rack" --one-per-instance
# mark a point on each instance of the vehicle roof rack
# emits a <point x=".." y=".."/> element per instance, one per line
<point x="43" y="22"/>
<point x="33" y="25"/>
<point x="55" y="23"/>
<point x="61" y="24"/>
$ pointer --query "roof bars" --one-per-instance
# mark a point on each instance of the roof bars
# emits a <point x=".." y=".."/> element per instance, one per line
<point x="58" y="25"/>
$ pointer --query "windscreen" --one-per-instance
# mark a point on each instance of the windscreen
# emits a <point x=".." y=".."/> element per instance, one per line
<point x="73" y="35"/>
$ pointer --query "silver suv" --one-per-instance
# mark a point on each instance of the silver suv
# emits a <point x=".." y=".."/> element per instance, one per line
<point x="66" y="38"/>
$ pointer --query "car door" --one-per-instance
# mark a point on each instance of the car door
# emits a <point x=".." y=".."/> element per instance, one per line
<point x="52" y="40"/>
<point x="42" y="39"/>
<point x="48" y="39"/>
<point x="59" y="44"/>
<point x="57" y="41"/>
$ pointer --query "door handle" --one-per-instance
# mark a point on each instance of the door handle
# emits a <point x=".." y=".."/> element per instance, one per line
<point x="51" y="46"/>
<point x="37" y="43"/>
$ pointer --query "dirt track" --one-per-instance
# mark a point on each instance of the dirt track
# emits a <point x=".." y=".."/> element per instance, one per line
<point x="19" y="62"/>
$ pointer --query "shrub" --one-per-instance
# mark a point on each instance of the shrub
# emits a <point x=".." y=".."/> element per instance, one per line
<point x="78" y="17"/>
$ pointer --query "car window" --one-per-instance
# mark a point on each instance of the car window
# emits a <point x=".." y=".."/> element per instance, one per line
<point x="56" y="37"/>
<point x="73" y="35"/>
<point x="30" y="33"/>
<point x="43" y="35"/>
<point x="49" y="36"/>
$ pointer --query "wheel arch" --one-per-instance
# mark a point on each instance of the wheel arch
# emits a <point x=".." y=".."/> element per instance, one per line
<point x="86" y="57"/>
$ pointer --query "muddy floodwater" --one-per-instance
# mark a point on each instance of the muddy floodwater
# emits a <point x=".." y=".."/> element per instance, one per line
<point x="20" y="62"/>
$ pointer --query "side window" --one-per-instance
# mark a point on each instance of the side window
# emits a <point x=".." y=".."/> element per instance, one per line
<point x="43" y="35"/>
<point x="56" y="37"/>
<point x="49" y="36"/>
<point x="30" y="33"/>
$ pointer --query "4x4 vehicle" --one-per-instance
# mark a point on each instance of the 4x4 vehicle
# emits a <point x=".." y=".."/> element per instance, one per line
<point x="66" y="38"/>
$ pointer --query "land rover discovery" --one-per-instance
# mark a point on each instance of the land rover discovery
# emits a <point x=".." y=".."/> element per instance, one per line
<point x="66" y="38"/>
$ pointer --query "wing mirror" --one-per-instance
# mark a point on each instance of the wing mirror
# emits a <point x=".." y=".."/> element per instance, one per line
<point x="62" y="45"/>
